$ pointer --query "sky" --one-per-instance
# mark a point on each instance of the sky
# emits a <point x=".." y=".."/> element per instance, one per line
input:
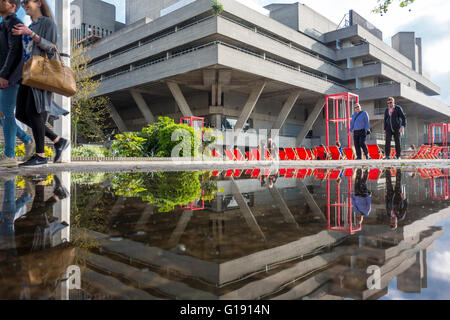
<point x="430" y="19"/>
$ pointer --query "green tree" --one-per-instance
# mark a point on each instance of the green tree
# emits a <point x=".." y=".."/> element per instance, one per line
<point x="90" y="116"/>
<point x="384" y="5"/>
<point x="216" y="7"/>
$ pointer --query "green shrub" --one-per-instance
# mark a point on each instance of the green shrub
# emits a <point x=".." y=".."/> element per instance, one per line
<point x="155" y="140"/>
<point x="91" y="151"/>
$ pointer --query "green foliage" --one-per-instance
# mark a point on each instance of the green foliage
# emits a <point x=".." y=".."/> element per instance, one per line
<point x="384" y="5"/>
<point x="129" y="144"/>
<point x="90" y="178"/>
<point x="155" y="140"/>
<point x="217" y="8"/>
<point x="165" y="190"/>
<point x="2" y="149"/>
<point x="91" y="151"/>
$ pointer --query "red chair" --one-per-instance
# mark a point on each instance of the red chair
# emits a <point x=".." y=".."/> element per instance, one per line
<point x="248" y="172"/>
<point x="375" y="152"/>
<point x="393" y="154"/>
<point x="349" y="153"/>
<point x="335" y="153"/>
<point x="321" y="153"/>
<point x="375" y="174"/>
<point x="238" y="173"/>
<point x="423" y="150"/>
<point x="291" y="154"/>
<point x="255" y="154"/>
<point x="283" y="156"/>
<point x="230" y="155"/>
<point x="302" y="154"/>
<point x="229" y="173"/>
<point x="282" y="172"/>
<point x="239" y="156"/>
<point x="216" y="154"/>
<point x="311" y="154"/>
<point x="267" y="155"/>
<point x="424" y="174"/>
<point x="216" y="173"/>
<point x="248" y="155"/>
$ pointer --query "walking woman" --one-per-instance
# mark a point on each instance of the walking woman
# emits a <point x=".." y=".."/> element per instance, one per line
<point x="34" y="106"/>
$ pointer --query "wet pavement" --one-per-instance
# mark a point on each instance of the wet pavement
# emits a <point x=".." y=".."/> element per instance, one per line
<point x="240" y="234"/>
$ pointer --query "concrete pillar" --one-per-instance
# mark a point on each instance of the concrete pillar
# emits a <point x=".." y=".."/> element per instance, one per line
<point x="249" y="106"/>
<point x="286" y="110"/>
<point x="63" y="125"/>
<point x="310" y="200"/>
<point x="285" y="211"/>
<point x="61" y="210"/>
<point x="311" y="120"/>
<point x="143" y="106"/>
<point x="181" y="226"/>
<point x="245" y="210"/>
<point x="117" y="118"/>
<point x="179" y="98"/>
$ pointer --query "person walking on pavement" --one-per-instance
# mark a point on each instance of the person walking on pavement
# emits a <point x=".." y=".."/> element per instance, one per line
<point x="11" y="64"/>
<point x="394" y="126"/>
<point x="360" y="126"/>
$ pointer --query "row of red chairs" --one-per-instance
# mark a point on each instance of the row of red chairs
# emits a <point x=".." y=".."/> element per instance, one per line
<point x="424" y="152"/>
<point x="290" y="154"/>
<point x="319" y="174"/>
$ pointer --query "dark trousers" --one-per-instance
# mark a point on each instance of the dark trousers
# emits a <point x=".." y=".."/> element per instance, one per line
<point x="359" y="138"/>
<point x="396" y="135"/>
<point x="361" y="189"/>
<point x="26" y="112"/>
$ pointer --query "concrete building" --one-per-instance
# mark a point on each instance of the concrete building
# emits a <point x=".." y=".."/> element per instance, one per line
<point x="93" y="19"/>
<point x="242" y="69"/>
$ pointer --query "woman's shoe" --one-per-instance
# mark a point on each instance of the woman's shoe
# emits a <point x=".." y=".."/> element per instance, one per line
<point x="35" y="161"/>
<point x="60" y="146"/>
<point x="6" y="162"/>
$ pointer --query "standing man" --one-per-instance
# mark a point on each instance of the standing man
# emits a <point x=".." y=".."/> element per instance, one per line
<point x="359" y="126"/>
<point x="394" y="125"/>
<point x="11" y="63"/>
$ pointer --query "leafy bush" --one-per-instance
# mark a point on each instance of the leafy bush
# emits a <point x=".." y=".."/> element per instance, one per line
<point x="91" y="151"/>
<point x="155" y="140"/>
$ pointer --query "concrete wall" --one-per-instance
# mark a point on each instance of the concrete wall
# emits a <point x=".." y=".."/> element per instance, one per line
<point x="97" y="13"/>
<point x="138" y="9"/>
<point x="313" y="23"/>
<point x="287" y="14"/>
<point x="407" y="44"/>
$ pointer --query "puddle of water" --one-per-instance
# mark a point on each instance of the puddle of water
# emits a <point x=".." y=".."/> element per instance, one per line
<point x="238" y="234"/>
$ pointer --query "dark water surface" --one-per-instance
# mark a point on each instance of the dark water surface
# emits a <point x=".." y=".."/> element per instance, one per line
<point x="242" y="234"/>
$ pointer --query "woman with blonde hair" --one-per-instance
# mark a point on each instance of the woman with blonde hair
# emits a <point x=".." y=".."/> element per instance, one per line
<point x="34" y="106"/>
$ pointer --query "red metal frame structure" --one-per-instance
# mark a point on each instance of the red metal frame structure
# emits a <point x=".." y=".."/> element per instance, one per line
<point x="337" y="100"/>
<point x="196" y="205"/>
<point x="439" y="188"/>
<point x="338" y="205"/>
<point x="193" y="122"/>
<point x="442" y="135"/>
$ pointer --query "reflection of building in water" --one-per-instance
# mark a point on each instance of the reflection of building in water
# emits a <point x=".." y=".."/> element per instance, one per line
<point x="254" y="242"/>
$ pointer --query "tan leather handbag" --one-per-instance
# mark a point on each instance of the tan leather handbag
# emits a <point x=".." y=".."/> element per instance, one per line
<point x="49" y="75"/>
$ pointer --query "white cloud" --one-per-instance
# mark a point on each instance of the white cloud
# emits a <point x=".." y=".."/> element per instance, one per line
<point x="436" y="60"/>
<point x="439" y="265"/>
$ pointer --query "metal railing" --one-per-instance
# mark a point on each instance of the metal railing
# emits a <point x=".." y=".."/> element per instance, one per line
<point x="255" y="29"/>
<point x="190" y="50"/>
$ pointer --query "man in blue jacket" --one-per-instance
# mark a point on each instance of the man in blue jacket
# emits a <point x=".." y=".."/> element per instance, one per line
<point x="11" y="65"/>
<point x="394" y="125"/>
<point x="359" y="126"/>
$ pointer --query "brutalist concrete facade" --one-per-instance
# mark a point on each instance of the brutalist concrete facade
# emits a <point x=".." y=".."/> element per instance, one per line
<point x="243" y="68"/>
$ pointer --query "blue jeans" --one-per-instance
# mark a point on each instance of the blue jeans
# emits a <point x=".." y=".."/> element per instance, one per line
<point x="10" y="208"/>
<point x="8" y="99"/>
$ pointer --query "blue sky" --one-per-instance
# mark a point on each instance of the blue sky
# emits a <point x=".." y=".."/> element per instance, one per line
<point x="426" y="18"/>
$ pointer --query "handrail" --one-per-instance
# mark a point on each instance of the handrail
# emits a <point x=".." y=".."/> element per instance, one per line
<point x="208" y="18"/>
<point x="224" y="44"/>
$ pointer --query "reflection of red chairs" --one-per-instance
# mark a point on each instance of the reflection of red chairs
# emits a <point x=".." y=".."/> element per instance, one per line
<point x="291" y="155"/>
<point x="290" y="173"/>
<point x="349" y="153"/>
<point x="439" y="188"/>
<point x="282" y="172"/>
<point x="302" y="154"/>
<point x="302" y="173"/>
<point x="375" y="152"/>
<point x="256" y="173"/>
<point x="334" y="174"/>
<point x="216" y="173"/>
<point x="424" y="174"/>
<point x="320" y="174"/>
<point x="375" y="174"/>
<point x="348" y="173"/>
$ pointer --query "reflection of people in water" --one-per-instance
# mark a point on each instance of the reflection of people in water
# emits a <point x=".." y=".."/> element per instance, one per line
<point x="26" y="270"/>
<point x="362" y="197"/>
<point x="270" y="181"/>
<point x="396" y="202"/>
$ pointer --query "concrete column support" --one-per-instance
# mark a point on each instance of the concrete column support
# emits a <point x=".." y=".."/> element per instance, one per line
<point x="311" y="120"/>
<point x="250" y="106"/>
<point x="179" y="98"/>
<point x="181" y="226"/>
<point x="310" y="200"/>
<point x="143" y="106"/>
<point x="285" y="211"/>
<point x="63" y="125"/>
<point x="286" y="110"/>
<point x="245" y="210"/>
<point x="117" y="118"/>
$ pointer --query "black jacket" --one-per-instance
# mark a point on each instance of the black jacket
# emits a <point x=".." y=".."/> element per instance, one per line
<point x="11" y="51"/>
<point x="394" y="122"/>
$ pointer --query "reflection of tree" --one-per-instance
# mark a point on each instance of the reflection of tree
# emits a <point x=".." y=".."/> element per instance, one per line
<point x="165" y="190"/>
